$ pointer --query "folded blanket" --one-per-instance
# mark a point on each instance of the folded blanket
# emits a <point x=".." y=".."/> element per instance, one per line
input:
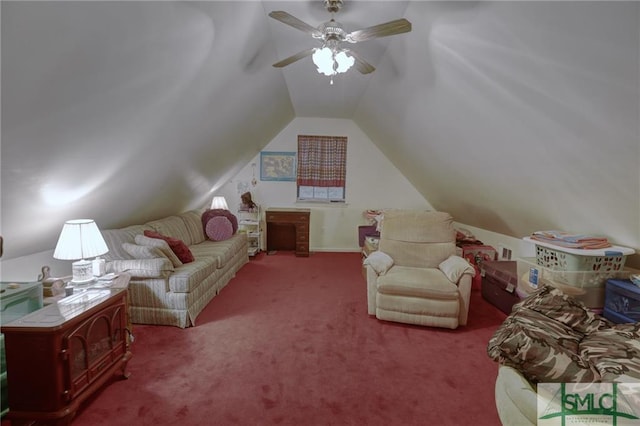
<point x="575" y="241"/>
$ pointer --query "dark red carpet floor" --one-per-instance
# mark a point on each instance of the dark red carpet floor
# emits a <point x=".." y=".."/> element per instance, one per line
<point x="289" y="342"/>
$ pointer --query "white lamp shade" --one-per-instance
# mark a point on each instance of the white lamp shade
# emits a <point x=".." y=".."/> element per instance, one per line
<point x="80" y="239"/>
<point x="219" y="202"/>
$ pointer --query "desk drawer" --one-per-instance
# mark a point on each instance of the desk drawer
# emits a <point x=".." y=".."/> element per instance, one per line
<point x="288" y="217"/>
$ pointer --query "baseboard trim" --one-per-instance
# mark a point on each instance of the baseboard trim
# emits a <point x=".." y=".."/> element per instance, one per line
<point x="334" y="250"/>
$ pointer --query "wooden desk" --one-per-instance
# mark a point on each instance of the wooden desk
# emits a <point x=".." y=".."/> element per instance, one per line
<point x="288" y="229"/>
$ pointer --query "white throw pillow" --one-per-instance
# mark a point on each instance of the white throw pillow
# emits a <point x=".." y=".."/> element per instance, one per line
<point x="142" y="252"/>
<point x="162" y="245"/>
<point x="455" y="266"/>
<point x="379" y="261"/>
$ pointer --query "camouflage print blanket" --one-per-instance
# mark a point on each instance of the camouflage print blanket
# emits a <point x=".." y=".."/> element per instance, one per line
<point x="551" y="337"/>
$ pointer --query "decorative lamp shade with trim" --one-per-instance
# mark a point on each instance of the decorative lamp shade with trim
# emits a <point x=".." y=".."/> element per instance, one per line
<point x="80" y="239"/>
<point x="219" y="202"/>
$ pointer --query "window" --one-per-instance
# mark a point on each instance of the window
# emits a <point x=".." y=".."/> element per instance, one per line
<point x="322" y="168"/>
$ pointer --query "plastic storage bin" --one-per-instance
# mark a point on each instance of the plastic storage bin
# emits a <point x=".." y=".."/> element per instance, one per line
<point x="19" y="301"/>
<point x="565" y="259"/>
<point x="14" y="304"/>
<point x="586" y="286"/>
<point x="499" y="281"/>
<point x="622" y="301"/>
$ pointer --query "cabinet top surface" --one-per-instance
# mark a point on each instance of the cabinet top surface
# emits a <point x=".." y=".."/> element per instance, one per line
<point x="287" y="210"/>
<point x="64" y="310"/>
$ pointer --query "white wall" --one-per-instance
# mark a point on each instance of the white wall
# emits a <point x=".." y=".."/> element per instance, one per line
<point x="372" y="183"/>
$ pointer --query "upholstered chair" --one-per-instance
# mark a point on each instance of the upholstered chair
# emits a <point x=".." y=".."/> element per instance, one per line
<point x="415" y="276"/>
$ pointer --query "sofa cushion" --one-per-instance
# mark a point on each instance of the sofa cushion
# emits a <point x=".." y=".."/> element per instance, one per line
<point x="141" y="268"/>
<point x="194" y="226"/>
<point x="178" y="246"/>
<point x="115" y="237"/>
<point x="541" y="348"/>
<point x="417" y="282"/>
<point x="161" y="245"/>
<point x="219" y="228"/>
<point x="187" y="277"/>
<point x="221" y="252"/>
<point x="174" y="227"/>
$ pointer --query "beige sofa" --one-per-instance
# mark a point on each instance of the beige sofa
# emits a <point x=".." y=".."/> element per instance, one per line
<point x="163" y="293"/>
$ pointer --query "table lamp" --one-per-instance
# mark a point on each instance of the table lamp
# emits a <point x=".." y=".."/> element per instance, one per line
<point x="79" y="240"/>
<point x="219" y="202"/>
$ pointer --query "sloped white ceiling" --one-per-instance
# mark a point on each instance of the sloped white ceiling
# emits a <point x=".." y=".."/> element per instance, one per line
<point x="516" y="116"/>
<point x="126" y="111"/>
<point x="513" y="116"/>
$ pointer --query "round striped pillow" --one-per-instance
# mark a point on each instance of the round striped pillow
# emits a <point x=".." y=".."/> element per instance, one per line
<point x="219" y="228"/>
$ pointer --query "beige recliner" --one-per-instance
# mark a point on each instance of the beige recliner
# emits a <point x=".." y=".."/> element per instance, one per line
<point x="415" y="276"/>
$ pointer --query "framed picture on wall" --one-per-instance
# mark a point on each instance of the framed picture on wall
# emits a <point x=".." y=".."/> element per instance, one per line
<point x="278" y="166"/>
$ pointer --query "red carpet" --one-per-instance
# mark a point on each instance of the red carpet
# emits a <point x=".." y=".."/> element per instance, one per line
<point x="289" y="342"/>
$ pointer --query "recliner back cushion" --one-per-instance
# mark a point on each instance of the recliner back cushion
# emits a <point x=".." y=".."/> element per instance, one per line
<point x="417" y="238"/>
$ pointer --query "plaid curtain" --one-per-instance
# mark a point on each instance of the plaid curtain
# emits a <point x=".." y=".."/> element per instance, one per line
<point x="322" y="160"/>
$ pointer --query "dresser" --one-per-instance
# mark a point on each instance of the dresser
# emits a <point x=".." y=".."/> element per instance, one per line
<point x="288" y="229"/>
<point x="59" y="355"/>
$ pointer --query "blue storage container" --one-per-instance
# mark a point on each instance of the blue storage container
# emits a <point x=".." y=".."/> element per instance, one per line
<point x="622" y="301"/>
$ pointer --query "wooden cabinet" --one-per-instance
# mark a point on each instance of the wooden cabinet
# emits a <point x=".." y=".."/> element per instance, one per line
<point x="288" y="229"/>
<point x="59" y="355"/>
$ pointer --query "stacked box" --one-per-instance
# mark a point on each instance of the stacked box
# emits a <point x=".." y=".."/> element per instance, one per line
<point x="476" y="254"/>
<point x="499" y="282"/>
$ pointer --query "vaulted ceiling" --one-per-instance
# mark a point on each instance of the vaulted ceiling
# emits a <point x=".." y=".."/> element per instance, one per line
<point x="513" y="116"/>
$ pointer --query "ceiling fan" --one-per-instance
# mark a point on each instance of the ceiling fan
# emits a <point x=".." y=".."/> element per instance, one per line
<point x="333" y="57"/>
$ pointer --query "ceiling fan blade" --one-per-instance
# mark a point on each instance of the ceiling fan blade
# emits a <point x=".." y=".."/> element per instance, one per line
<point x="291" y="20"/>
<point x="291" y="59"/>
<point x="361" y="65"/>
<point x="390" y="28"/>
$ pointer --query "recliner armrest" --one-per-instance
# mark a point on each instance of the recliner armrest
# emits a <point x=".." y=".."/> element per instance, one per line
<point x="379" y="261"/>
<point x="455" y="267"/>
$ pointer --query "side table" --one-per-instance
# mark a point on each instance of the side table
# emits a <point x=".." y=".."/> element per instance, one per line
<point x="58" y="356"/>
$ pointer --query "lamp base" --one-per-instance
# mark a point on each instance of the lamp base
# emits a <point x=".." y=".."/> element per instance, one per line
<point x="82" y="271"/>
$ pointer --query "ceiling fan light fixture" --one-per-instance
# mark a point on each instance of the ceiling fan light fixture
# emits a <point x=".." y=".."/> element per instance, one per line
<point x="330" y="63"/>
<point x="323" y="58"/>
<point x="344" y="61"/>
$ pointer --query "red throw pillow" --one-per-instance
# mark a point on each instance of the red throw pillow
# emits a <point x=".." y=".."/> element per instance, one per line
<point x="178" y="246"/>
<point x="219" y="228"/>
